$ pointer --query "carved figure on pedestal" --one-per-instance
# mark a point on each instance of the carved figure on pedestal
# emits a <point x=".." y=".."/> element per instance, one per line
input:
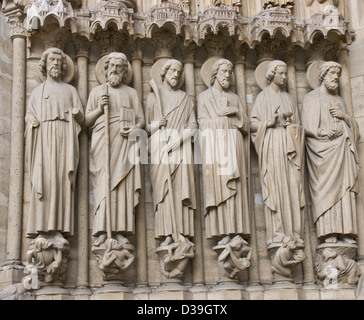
<point x="285" y="260"/>
<point x="49" y="255"/>
<point x="53" y="120"/>
<point x="332" y="158"/>
<point x="337" y="270"/>
<point x="116" y="259"/>
<point x="115" y="114"/>
<point x="279" y="141"/>
<point x="235" y="257"/>
<point x="171" y="124"/>
<point x="175" y="258"/>
<point x="224" y="129"/>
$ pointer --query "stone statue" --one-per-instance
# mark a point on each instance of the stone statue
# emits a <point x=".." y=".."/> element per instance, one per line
<point x="279" y="142"/>
<point x="53" y="120"/>
<point x="171" y="123"/>
<point x="175" y="257"/>
<point x="114" y="108"/>
<point x="332" y="158"/>
<point x="336" y="270"/>
<point x="235" y="257"/>
<point x="224" y="128"/>
<point x="287" y="257"/>
<point x="116" y="259"/>
<point x="48" y="254"/>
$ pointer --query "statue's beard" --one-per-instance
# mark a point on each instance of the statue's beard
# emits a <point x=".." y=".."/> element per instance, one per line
<point x="115" y="79"/>
<point x="225" y="83"/>
<point x="55" y="73"/>
<point x="331" y="85"/>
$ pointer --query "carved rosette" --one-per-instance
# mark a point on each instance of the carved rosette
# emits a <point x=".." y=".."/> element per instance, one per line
<point x="336" y="266"/>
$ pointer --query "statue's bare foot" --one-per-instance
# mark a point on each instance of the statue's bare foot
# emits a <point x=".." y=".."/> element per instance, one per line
<point x="332" y="239"/>
<point x="100" y="240"/>
<point x="121" y="239"/>
<point x="167" y="242"/>
<point x="224" y="241"/>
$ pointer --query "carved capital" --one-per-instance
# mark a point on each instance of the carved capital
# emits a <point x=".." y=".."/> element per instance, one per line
<point x="15" y="20"/>
<point x="82" y="45"/>
<point x="272" y="49"/>
<point x="111" y="41"/>
<point x="189" y="52"/>
<point x="164" y="44"/>
<point x="217" y="45"/>
<point x="137" y="48"/>
<point x="323" y="50"/>
<point x="56" y="39"/>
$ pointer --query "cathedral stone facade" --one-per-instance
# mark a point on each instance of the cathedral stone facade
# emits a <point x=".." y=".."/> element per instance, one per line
<point x="89" y="219"/>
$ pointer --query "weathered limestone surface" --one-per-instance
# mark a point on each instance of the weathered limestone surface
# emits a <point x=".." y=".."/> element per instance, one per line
<point x="249" y="34"/>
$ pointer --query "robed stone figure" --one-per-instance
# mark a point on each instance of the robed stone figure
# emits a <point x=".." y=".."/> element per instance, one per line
<point x="332" y="158"/>
<point x="53" y="120"/>
<point x="224" y="130"/>
<point x="126" y="117"/>
<point x="279" y="141"/>
<point x="171" y="123"/>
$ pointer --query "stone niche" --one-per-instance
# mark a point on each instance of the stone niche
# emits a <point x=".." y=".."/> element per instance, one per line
<point x="140" y="266"/>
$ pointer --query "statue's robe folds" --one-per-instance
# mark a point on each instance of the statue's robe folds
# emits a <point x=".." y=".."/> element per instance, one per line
<point x="178" y="109"/>
<point x="281" y="164"/>
<point x="125" y="168"/>
<point x="333" y="165"/>
<point x="225" y="164"/>
<point x="52" y="152"/>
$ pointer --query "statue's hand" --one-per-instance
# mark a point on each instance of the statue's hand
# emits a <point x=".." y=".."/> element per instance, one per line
<point x="337" y="113"/>
<point x="104" y="102"/>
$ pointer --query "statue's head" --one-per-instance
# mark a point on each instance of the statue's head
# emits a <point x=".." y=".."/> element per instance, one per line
<point x="116" y="68"/>
<point x="171" y="72"/>
<point x="277" y="72"/>
<point x="329" y="75"/>
<point x="221" y="72"/>
<point x="53" y="63"/>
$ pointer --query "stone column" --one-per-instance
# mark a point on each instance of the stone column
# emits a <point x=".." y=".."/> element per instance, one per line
<point x="199" y="290"/>
<point x="344" y="80"/>
<point x="83" y="47"/>
<point x="291" y="76"/>
<point x="13" y="266"/>
<point x="140" y="224"/>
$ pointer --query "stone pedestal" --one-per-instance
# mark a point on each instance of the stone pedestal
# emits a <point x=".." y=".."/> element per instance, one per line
<point x="53" y="292"/>
<point x="171" y="290"/>
<point x="340" y="294"/>
<point x="282" y="291"/>
<point x="336" y="266"/>
<point x="255" y="292"/>
<point x="199" y="292"/>
<point x="227" y="291"/>
<point x="10" y="275"/>
<point x="142" y="292"/>
<point x="113" y="290"/>
<point x="282" y="269"/>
